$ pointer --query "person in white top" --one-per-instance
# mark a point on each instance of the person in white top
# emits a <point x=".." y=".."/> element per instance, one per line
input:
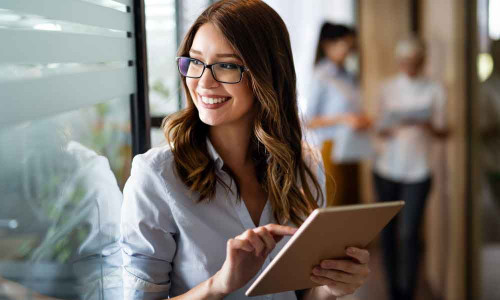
<point x="411" y="113"/>
<point x="204" y="215"/>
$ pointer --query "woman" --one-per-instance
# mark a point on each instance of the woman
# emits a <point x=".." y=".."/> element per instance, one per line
<point x="203" y="216"/>
<point x="411" y="113"/>
<point x="334" y="111"/>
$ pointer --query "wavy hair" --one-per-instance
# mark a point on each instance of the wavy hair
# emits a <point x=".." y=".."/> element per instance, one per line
<point x="259" y="36"/>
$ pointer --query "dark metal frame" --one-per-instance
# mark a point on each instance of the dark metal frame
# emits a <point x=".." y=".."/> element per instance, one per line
<point x="242" y="69"/>
<point x="471" y="43"/>
<point x="178" y="40"/>
<point x="139" y="102"/>
<point x="415" y="16"/>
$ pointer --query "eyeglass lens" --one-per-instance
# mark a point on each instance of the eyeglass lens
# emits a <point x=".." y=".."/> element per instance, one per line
<point x="223" y="72"/>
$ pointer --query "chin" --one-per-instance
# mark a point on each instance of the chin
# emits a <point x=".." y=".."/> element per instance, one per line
<point x="208" y="120"/>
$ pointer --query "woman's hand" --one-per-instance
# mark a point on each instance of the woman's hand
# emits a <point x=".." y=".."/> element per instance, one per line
<point x="246" y="254"/>
<point x="342" y="277"/>
<point x="358" y="121"/>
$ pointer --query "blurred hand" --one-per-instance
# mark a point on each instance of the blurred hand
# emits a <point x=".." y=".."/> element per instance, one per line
<point x="358" y="121"/>
<point x="388" y="132"/>
<point x="343" y="277"/>
<point x="246" y="254"/>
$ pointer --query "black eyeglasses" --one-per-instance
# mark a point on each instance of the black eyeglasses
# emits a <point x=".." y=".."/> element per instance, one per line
<point x="222" y="72"/>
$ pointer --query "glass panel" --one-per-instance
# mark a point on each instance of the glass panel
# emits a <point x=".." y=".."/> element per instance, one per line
<point x="16" y="20"/>
<point x="162" y="29"/>
<point x="162" y="48"/>
<point x="486" y="150"/>
<point x="61" y="182"/>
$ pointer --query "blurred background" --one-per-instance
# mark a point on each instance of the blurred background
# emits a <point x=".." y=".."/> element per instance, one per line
<point x="85" y="84"/>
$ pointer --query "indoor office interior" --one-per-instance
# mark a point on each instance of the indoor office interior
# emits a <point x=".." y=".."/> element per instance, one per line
<point x="86" y="84"/>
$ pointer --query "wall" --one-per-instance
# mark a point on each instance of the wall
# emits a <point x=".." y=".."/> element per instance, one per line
<point x="447" y="63"/>
<point x="442" y="25"/>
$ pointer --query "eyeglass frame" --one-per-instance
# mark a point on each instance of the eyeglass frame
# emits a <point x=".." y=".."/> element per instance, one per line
<point x="242" y="68"/>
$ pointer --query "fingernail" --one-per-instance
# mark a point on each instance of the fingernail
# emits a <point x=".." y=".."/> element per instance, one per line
<point x="351" y="250"/>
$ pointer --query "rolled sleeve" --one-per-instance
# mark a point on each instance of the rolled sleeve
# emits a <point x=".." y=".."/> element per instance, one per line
<point x="147" y="234"/>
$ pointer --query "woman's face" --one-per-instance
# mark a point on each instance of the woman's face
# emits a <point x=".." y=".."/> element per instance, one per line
<point x="338" y="50"/>
<point x="235" y="101"/>
<point x="412" y="65"/>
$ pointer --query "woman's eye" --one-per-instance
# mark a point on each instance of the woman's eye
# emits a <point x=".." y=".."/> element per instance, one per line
<point x="196" y="62"/>
<point x="228" y="66"/>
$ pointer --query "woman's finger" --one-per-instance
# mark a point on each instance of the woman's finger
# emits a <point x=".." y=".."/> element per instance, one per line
<point x="347" y="266"/>
<point x="267" y="237"/>
<point x="254" y="239"/>
<point x="322" y="280"/>
<point x="361" y="255"/>
<point x="278" y="231"/>
<point x="335" y="275"/>
<point x="237" y="244"/>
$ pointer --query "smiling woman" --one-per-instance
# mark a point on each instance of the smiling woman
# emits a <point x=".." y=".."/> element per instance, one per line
<point x="237" y="99"/>
<point x="204" y="214"/>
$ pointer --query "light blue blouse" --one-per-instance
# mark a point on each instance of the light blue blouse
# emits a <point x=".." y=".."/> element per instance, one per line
<point x="169" y="242"/>
<point x="333" y="91"/>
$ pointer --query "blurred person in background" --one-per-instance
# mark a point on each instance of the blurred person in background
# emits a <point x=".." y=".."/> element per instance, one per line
<point x="410" y="113"/>
<point x="334" y="112"/>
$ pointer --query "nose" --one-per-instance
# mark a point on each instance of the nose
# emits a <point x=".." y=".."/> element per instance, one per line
<point x="207" y="80"/>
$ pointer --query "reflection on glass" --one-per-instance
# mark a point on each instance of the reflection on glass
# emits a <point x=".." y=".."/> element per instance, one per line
<point x="162" y="47"/>
<point x="488" y="156"/>
<point x="494" y="19"/>
<point x="60" y="191"/>
<point x="484" y="66"/>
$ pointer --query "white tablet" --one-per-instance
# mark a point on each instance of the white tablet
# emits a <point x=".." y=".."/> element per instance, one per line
<point x="325" y="234"/>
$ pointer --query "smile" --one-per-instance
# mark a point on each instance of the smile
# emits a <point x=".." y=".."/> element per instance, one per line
<point x="210" y="100"/>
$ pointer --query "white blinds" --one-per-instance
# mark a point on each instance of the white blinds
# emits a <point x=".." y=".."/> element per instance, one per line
<point x="61" y="55"/>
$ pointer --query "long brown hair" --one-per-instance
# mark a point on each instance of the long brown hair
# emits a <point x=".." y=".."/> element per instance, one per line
<point x="259" y="36"/>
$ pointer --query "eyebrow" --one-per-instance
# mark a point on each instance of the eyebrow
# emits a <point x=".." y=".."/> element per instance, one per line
<point x="217" y="55"/>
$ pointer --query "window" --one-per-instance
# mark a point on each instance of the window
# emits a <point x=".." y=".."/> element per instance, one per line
<point x="70" y="91"/>
<point x="166" y="23"/>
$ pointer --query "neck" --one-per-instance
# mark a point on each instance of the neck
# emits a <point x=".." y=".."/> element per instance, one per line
<point x="412" y="75"/>
<point x="231" y="143"/>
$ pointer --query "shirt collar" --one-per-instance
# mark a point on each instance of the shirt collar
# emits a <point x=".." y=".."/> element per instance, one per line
<point x="405" y="78"/>
<point x="214" y="155"/>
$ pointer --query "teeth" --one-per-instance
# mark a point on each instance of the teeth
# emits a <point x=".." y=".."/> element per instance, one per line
<point x="213" y="100"/>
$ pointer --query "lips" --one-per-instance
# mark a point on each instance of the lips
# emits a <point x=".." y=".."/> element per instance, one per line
<point x="214" y="100"/>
